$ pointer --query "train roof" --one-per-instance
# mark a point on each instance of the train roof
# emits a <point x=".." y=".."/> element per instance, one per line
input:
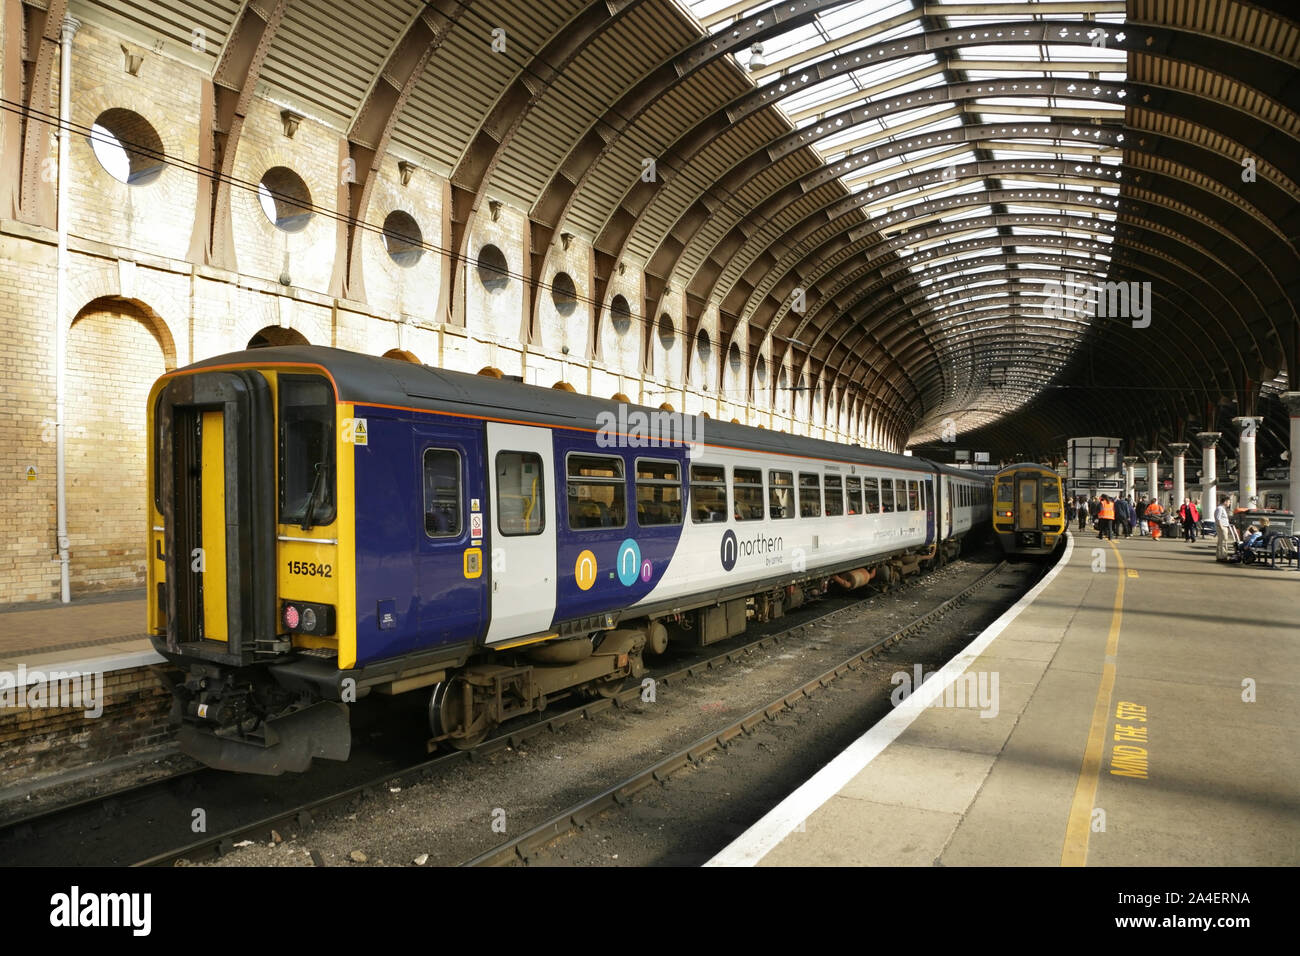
<point x="1031" y="465"/>
<point x="370" y="379"/>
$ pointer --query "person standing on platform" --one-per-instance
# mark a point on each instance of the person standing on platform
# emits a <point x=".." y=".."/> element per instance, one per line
<point x="1155" y="515"/>
<point x="1191" y="519"/>
<point x="1105" y="518"/>
<point x="1222" y="536"/>
<point x="1083" y="512"/>
<point x="1139" y="516"/>
<point x="1123" y="517"/>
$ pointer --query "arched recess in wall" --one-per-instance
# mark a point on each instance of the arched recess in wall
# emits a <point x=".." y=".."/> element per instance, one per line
<point x="117" y="349"/>
<point x="563" y="387"/>
<point x="491" y="371"/>
<point x="275" y="335"/>
<point x="402" y="356"/>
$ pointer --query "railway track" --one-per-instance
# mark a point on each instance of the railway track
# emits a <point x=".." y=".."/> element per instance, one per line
<point x="97" y="811"/>
<point x="525" y="847"/>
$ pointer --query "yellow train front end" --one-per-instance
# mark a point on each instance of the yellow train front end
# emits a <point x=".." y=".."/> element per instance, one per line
<point x="251" y="561"/>
<point x="1028" y="509"/>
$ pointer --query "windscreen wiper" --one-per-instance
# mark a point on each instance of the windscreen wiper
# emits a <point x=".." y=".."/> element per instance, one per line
<point x="317" y="484"/>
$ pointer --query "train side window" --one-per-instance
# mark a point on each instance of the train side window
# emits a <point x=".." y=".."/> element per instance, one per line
<point x="521" y="493"/>
<point x="887" y="495"/>
<point x="913" y="496"/>
<point x="871" y="493"/>
<point x="853" y="489"/>
<point x="658" y="492"/>
<point x="747" y="493"/>
<point x="441" y="493"/>
<point x="780" y="497"/>
<point x="708" y="493"/>
<point x="810" y="495"/>
<point x="1051" y="491"/>
<point x="834" y="496"/>
<point x="597" y="491"/>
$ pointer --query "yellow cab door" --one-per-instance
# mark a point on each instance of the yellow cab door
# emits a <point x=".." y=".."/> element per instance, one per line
<point x="1027" y="502"/>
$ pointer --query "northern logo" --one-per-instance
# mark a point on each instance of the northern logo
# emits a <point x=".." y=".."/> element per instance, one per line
<point x="730" y="550"/>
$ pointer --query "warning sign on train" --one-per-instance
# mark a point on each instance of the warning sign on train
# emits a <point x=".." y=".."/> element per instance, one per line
<point x="354" y="431"/>
<point x="476" y="525"/>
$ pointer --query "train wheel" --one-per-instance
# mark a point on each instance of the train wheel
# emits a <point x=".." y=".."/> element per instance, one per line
<point x="447" y="715"/>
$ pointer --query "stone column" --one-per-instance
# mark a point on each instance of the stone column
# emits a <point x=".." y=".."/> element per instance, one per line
<point x="1209" y="474"/>
<point x="1247" y="490"/>
<point x="1129" y="479"/>
<point x="1292" y="402"/>
<point x="1153" y="473"/>
<point x="1179" y="449"/>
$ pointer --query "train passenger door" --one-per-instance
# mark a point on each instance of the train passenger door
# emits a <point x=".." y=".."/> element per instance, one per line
<point x="1027" y="511"/>
<point x="927" y="493"/>
<point x="449" y="553"/>
<point x="522" y="508"/>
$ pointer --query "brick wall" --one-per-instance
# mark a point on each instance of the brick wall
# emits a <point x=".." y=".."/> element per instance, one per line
<point x="43" y="741"/>
<point x="113" y="357"/>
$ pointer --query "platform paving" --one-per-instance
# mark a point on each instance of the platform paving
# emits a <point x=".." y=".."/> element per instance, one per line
<point x="1190" y="667"/>
<point x="106" y="628"/>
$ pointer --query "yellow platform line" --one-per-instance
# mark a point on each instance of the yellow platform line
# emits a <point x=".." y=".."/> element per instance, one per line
<point x="1077" y="830"/>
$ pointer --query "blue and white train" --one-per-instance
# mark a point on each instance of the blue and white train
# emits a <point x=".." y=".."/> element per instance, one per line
<point x="325" y="525"/>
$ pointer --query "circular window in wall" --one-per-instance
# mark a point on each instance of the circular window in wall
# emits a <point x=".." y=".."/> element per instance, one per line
<point x="493" y="270"/>
<point x="760" y="370"/>
<point x="667" y="333"/>
<point x="703" y="347"/>
<point x="564" y="294"/>
<point x="733" y="358"/>
<point x="620" y="314"/>
<point x="128" y="147"/>
<point x="285" y="199"/>
<point x="403" y="238"/>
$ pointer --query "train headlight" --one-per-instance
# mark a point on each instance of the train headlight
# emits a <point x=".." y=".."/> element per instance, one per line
<point x="290" y="617"/>
<point x="308" y="619"/>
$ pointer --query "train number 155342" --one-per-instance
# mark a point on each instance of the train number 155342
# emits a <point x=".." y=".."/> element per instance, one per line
<point x="311" y="569"/>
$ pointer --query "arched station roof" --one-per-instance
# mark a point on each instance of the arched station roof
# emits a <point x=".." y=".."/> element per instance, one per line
<point x="889" y="192"/>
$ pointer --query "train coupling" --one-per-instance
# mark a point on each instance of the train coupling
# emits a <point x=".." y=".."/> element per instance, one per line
<point x="282" y="744"/>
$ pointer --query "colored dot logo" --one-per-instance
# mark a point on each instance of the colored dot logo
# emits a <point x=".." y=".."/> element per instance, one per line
<point x="729" y="550"/>
<point x="584" y="570"/>
<point x="629" y="562"/>
<point x="647" y="570"/>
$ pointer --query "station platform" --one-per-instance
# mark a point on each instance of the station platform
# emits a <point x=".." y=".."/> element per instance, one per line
<point x="78" y="692"/>
<point x="101" y="632"/>
<point x="1139" y="708"/>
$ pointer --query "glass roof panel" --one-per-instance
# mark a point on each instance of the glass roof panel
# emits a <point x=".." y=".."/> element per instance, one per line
<point x="965" y="272"/>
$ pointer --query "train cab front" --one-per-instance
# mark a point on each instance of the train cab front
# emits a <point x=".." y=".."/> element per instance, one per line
<point x="244" y="567"/>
